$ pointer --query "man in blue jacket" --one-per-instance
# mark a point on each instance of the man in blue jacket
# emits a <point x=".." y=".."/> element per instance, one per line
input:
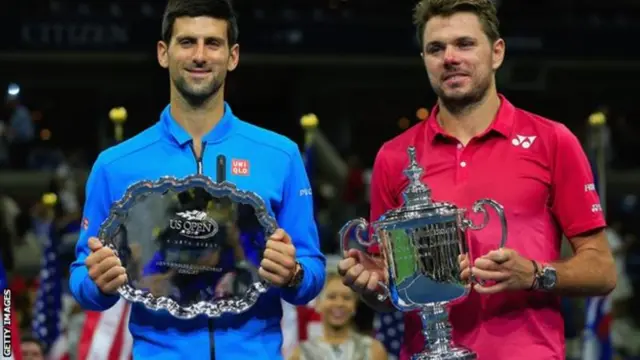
<point x="199" y="47"/>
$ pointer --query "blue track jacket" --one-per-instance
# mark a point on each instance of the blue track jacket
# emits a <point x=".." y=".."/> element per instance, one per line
<point x="276" y="173"/>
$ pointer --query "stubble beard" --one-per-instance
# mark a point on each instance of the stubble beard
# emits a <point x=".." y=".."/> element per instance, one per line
<point x="197" y="97"/>
<point x="461" y="103"/>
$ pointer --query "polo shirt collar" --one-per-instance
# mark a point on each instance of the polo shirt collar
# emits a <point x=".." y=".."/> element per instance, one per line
<point x="180" y="135"/>
<point x="502" y="124"/>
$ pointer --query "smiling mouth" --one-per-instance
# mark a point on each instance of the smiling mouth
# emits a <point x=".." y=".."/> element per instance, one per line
<point x="454" y="77"/>
<point x="199" y="72"/>
<point x="338" y="313"/>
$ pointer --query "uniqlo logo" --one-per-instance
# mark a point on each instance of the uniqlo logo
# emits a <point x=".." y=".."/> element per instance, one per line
<point x="240" y="167"/>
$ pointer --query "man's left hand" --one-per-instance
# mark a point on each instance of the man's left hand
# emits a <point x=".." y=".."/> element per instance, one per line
<point x="278" y="265"/>
<point x="505" y="269"/>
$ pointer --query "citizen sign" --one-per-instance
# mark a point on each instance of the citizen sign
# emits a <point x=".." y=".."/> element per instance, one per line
<point x="74" y="34"/>
<point x="194" y="224"/>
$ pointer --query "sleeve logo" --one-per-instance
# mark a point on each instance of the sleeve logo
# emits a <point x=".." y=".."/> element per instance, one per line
<point x="306" y="192"/>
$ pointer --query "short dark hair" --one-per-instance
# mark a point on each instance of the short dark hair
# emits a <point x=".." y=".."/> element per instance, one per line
<point x="484" y="9"/>
<point x="219" y="9"/>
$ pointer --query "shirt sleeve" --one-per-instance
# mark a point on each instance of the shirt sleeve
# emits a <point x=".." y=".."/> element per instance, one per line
<point x="296" y="217"/>
<point x="575" y="200"/>
<point x="381" y="196"/>
<point x="96" y="210"/>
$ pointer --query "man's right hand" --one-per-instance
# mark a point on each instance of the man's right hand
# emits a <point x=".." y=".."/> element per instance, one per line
<point x="361" y="272"/>
<point x="105" y="269"/>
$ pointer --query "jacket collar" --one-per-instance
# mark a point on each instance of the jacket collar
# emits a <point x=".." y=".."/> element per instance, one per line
<point x="173" y="130"/>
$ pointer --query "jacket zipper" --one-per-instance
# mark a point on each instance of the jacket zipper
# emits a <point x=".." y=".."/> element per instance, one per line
<point x="199" y="170"/>
<point x="198" y="158"/>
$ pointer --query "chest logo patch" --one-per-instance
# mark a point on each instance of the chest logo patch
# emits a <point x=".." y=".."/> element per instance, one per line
<point x="523" y="141"/>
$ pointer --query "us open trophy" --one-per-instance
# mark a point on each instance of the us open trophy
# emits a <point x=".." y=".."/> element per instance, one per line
<point x="191" y="246"/>
<point x="420" y="243"/>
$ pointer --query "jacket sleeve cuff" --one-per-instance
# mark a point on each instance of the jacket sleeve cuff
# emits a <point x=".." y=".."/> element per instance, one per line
<point x="101" y="299"/>
<point x="91" y="298"/>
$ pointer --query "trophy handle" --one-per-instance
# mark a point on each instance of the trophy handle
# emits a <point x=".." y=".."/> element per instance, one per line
<point x="358" y="230"/>
<point x="480" y="207"/>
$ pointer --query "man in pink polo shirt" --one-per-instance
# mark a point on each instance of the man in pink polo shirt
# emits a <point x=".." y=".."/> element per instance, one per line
<point x="474" y="145"/>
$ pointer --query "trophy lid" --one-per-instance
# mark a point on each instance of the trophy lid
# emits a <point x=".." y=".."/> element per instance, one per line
<point x="416" y="192"/>
<point x="417" y="197"/>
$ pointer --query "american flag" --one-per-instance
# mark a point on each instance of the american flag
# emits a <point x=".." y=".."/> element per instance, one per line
<point x="105" y="335"/>
<point x="46" y="318"/>
<point x="597" y="342"/>
<point x="389" y="328"/>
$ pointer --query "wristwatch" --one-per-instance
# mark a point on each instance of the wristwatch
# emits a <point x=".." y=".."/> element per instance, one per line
<point x="298" y="275"/>
<point x="545" y="277"/>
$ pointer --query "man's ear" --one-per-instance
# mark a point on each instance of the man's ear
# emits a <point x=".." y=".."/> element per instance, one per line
<point x="163" y="56"/>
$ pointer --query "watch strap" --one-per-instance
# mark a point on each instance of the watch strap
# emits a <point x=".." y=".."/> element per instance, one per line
<point x="536" y="276"/>
<point x="297" y="276"/>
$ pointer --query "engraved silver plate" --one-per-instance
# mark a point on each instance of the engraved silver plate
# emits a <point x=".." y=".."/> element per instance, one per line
<point x="421" y="243"/>
<point x="190" y="246"/>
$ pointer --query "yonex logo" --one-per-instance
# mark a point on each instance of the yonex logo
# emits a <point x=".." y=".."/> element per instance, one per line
<point x="524" y="141"/>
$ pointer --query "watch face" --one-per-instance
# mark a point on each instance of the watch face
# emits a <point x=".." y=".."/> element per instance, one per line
<point x="548" y="278"/>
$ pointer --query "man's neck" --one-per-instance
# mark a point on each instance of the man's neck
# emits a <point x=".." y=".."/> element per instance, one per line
<point x="335" y="336"/>
<point x="466" y="123"/>
<point x="197" y="121"/>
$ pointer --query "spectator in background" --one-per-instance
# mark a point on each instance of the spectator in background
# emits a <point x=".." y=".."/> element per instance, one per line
<point x="8" y="213"/>
<point x="23" y="292"/>
<point x="31" y="349"/>
<point x="21" y="132"/>
<point x="66" y="189"/>
<point x="28" y="248"/>
<point x="67" y="210"/>
<point x="339" y="340"/>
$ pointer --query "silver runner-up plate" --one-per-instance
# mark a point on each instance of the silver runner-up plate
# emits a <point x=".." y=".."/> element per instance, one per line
<point x="190" y="246"/>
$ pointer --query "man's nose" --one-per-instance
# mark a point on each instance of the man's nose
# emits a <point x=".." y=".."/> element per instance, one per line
<point x="199" y="55"/>
<point x="451" y="56"/>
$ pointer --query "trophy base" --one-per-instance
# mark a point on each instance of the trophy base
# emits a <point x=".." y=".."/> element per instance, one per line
<point x="455" y="353"/>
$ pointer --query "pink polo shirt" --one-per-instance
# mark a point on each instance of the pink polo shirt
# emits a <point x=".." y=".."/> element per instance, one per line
<point x="537" y="169"/>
